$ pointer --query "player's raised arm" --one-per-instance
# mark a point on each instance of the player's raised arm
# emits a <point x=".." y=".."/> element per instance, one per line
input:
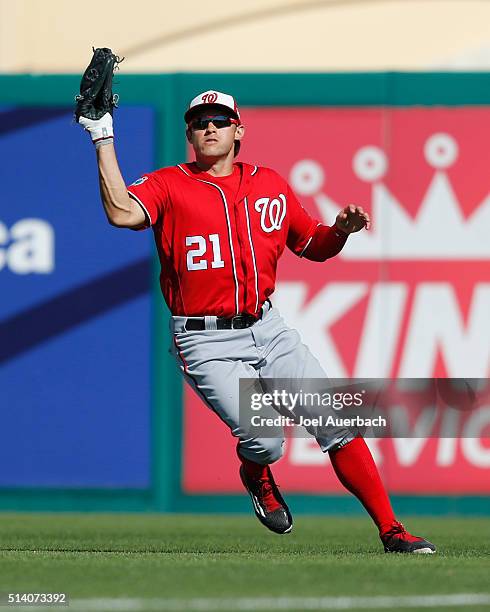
<point x="93" y="112"/>
<point x="120" y="209"/>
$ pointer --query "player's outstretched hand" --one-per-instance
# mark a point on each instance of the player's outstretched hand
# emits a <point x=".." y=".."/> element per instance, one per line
<point x="352" y="219"/>
<point x="96" y="102"/>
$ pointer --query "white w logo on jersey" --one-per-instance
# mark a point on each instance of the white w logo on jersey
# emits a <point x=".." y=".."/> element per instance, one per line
<point x="272" y="212"/>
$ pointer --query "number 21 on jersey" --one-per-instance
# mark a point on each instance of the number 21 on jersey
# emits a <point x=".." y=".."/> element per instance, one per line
<point x="193" y="255"/>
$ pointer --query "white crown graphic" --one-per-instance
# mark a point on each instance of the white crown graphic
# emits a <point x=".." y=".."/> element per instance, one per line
<point x="439" y="231"/>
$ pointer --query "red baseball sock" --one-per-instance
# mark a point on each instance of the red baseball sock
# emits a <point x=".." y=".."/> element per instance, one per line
<point x="255" y="471"/>
<point x="356" y="470"/>
<point x="252" y="469"/>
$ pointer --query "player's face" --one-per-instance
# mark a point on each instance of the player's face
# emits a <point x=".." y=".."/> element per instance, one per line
<point x="213" y="132"/>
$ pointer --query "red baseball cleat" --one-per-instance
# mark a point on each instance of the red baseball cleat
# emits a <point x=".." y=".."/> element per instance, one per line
<point x="397" y="540"/>
<point x="269" y="506"/>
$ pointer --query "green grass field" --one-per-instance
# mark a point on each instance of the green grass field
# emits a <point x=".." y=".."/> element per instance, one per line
<point x="160" y="562"/>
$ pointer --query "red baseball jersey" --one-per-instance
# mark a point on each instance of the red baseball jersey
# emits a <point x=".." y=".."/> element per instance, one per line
<point x="219" y="238"/>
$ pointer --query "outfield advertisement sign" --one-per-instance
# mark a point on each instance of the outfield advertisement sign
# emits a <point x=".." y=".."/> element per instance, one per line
<point x="408" y="299"/>
<point x="75" y="309"/>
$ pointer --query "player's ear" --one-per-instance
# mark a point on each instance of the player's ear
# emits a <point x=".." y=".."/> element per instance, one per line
<point x="239" y="132"/>
<point x="188" y="135"/>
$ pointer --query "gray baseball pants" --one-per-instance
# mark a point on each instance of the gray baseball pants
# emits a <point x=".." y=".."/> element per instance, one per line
<point x="213" y="361"/>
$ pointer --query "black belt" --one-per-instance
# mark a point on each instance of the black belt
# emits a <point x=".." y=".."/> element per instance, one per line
<point x="239" y="321"/>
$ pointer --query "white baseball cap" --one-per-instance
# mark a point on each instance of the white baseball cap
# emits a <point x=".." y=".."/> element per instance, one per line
<point x="212" y="98"/>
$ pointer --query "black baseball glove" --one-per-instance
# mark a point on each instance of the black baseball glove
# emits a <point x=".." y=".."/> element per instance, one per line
<point x="95" y="103"/>
<point x="96" y="97"/>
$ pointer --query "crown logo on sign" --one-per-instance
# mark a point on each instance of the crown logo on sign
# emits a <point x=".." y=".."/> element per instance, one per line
<point x="439" y="230"/>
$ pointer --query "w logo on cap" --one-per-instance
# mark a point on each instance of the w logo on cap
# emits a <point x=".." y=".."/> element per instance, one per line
<point x="210" y="98"/>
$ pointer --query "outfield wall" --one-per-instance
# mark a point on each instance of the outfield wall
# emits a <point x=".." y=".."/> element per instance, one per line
<point x="93" y="409"/>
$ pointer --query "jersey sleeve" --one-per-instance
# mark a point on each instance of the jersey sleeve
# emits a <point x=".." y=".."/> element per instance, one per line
<point x="301" y="225"/>
<point x="150" y="192"/>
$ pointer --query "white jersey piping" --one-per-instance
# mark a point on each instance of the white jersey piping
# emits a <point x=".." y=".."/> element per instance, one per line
<point x="253" y="256"/>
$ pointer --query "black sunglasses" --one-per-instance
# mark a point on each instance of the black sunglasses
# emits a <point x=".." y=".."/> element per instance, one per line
<point x="219" y="121"/>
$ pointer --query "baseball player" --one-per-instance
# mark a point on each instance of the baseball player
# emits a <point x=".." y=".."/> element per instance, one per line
<point x="220" y="227"/>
